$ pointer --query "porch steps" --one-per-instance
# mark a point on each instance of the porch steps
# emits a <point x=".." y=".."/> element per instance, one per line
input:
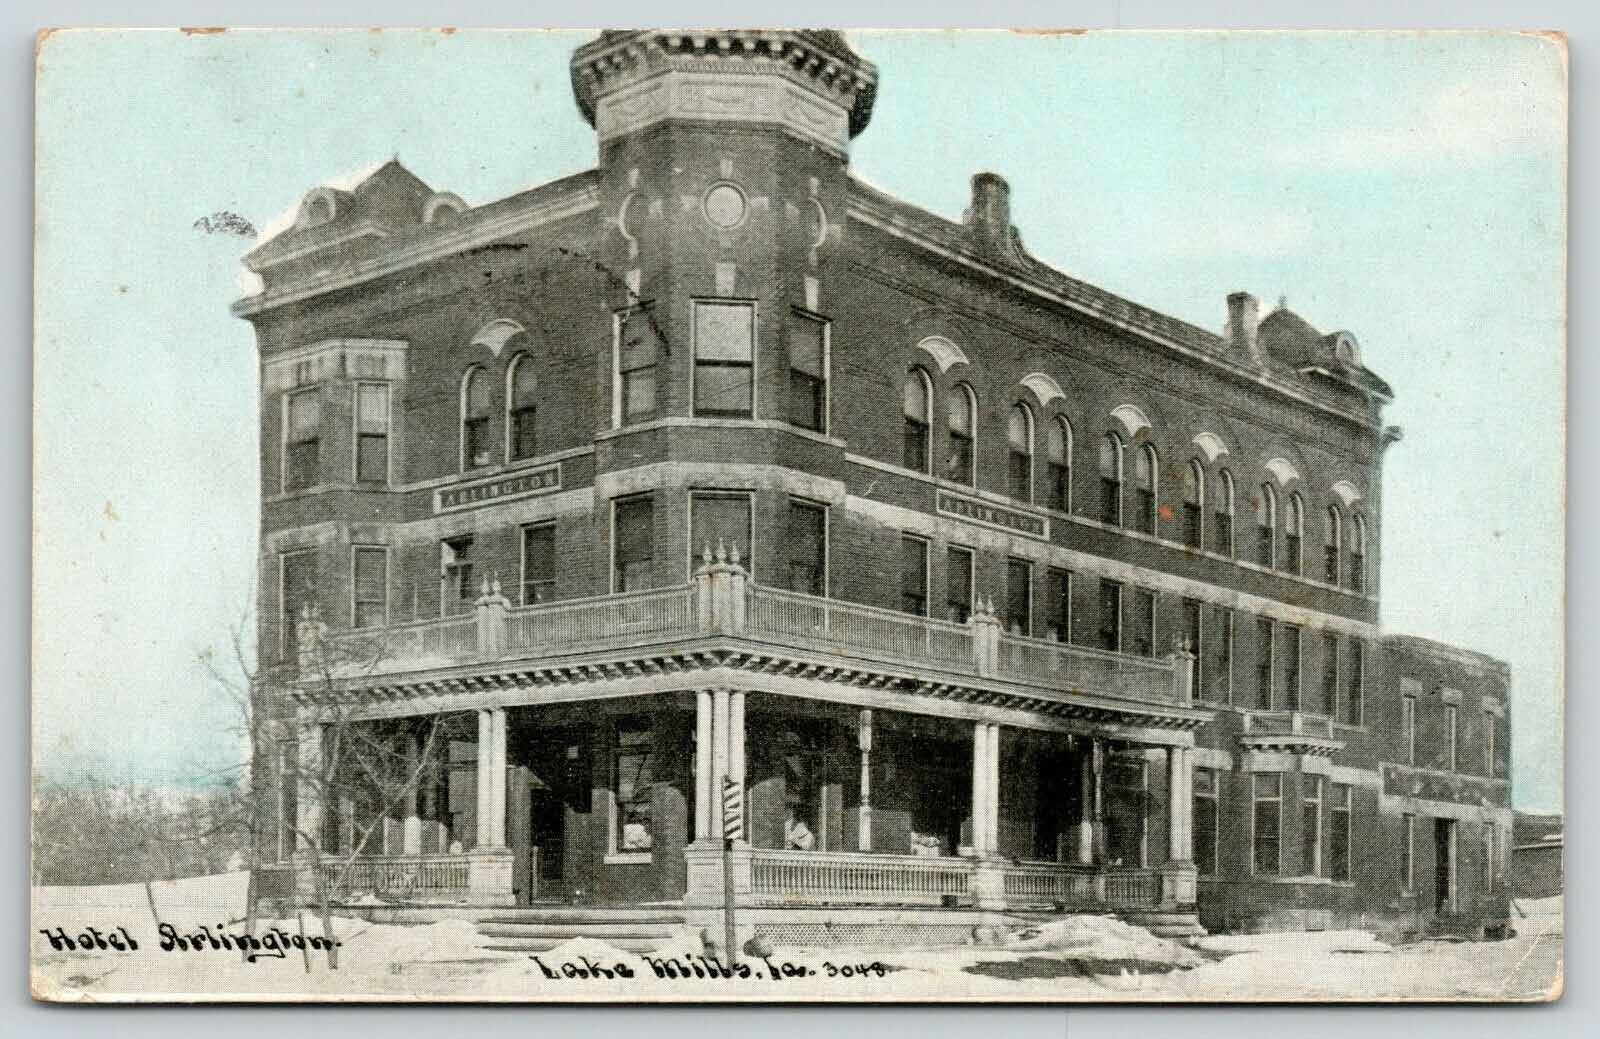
<point x="1166" y="925"/>
<point x="539" y="929"/>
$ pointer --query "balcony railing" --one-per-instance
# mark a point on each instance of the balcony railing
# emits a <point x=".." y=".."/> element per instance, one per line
<point x="722" y="601"/>
<point x="1287" y="723"/>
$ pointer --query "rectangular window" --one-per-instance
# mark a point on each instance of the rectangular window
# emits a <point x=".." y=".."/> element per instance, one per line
<point x="1489" y="748"/>
<point x="1205" y="821"/>
<point x="1355" y="696"/>
<point x="1486" y="858"/>
<point x="914" y="575"/>
<point x="806" y="548"/>
<point x="721" y="521"/>
<point x="1408" y="852"/>
<point x="1266" y="823"/>
<point x="1222" y="646"/>
<point x="297" y="592"/>
<point x="302" y="440"/>
<point x="1339" y="833"/>
<point x="369" y="587"/>
<point x="1058" y="603"/>
<point x="1018" y="619"/>
<point x="636" y="350"/>
<point x="538" y="563"/>
<point x="1408" y="727"/>
<point x="1330" y="675"/>
<point x="1058" y="492"/>
<point x="1194" y="634"/>
<point x="1266" y="546"/>
<point x="632" y="775"/>
<point x="724" y="358"/>
<point x="1452" y="717"/>
<point x="1291" y="666"/>
<point x="372" y="432"/>
<point x="1358" y="572"/>
<point x="1110" y="616"/>
<point x="633" y="541"/>
<point x="1264" y="648"/>
<point x="808" y="372"/>
<point x="457" y="590"/>
<point x="958" y="584"/>
<point x="1142" y="627"/>
<point x="1311" y="826"/>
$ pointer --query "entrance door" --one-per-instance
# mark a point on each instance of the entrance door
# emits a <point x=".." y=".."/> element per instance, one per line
<point x="1444" y="865"/>
<point x="548" y="840"/>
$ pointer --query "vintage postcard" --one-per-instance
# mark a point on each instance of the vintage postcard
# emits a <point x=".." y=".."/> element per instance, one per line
<point x="791" y="515"/>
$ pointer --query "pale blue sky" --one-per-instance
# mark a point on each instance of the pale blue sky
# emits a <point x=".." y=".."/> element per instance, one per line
<point x="1406" y="187"/>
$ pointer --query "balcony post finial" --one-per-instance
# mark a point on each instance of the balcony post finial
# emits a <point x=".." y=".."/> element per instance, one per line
<point x="722" y="551"/>
<point x="733" y="555"/>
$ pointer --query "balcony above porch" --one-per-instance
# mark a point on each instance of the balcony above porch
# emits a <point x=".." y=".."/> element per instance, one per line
<point x="721" y="620"/>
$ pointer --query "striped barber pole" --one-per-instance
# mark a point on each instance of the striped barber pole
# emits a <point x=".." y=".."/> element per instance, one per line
<point x="732" y="809"/>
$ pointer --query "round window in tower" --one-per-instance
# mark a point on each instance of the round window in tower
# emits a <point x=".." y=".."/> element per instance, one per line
<point x="725" y="206"/>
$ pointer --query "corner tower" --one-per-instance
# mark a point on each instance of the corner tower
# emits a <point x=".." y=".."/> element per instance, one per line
<point x="723" y="158"/>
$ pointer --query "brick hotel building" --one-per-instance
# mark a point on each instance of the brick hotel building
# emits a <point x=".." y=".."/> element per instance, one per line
<point x="995" y="592"/>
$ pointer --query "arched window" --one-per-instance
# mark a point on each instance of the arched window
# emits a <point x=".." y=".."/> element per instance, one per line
<point x="1223" y="513"/>
<point x="1294" y="529"/>
<point x="1358" y="554"/>
<point x="916" y="404"/>
<point x="1332" y="541"/>
<point x="1058" y="452"/>
<point x="522" y="385"/>
<point x="961" y="415"/>
<point x="1019" y="440"/>
<point x="1111" y="480"/>
<point x="475" y="393"/>
<point x="1146" y="474"/>
<point x="1194" y="504"/>
<point x="1267" y="526"/>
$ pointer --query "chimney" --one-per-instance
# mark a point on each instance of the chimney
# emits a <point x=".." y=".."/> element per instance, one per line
<point x="990" y="215"/>
<point x="1244" y="316"/>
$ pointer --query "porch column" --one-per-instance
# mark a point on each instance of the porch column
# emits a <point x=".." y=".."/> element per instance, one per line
<point x="719" y="749"/>
<point x="347" y="824"/>
<point x="702" y="766"/>
<point x="980" y="789"/>
<point x="1085" y="849"/>
<point x="412" y="836"/>
<point x="497" y="779"/>
<point x="1180" y="842"/>
<point x="736" y="736"/>
<point x="308" y="789"/>
<point x="485" y="781"/>
<point x="1098" y="758"/>
<point x="864" y="743"/>
<point x="992" y="805"/>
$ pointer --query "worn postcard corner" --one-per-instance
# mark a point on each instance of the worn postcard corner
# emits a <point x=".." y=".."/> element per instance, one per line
<point x="729" y="516"/>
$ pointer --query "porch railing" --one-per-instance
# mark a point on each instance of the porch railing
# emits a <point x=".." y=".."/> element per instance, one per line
<point x="824" y="878"/>
<point x="1080" y="668"/>
<point x="426" y="877"/>
<point x="603" y="620"/>
<point x="1040" y="883"/>
<point x="791" y="618"/>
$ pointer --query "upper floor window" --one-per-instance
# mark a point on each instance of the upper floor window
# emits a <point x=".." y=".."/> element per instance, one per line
<point x="475" y="393"/>
<point x="1058" y="604"/>
<point x="302" y="439"/>
<point x="1223" y="515"/>
<point x="916" y="407"/>
<point x="1408" y="727"/>
<point x="1142" y="624"/>
<point x="914" y="575"/>
<point x="1146" y="477"/>
<point x="1267" y="526"/>
<point x="1111" y="616"/>
<point x="1058" y="452"/>
<point x="522" y="409"/>
<point x="1490" y="748"/>
<point x="957" y="584"/>
<point x="1018" y="619"/>
<point x="372" y="432"/>
<point x="1194" y="631"/>
<point x="719" y="519"/>
<point x="808" y="372"/>
<point x="1294" y="529"/>
<point x="1358" y="554"/>
<point x="1194" y="510"/>
<point x="1333" y="538"/>
<point x="1452" y="731"/>
<point x="635" y="364"/>
<point x="1111" y="480"/>
<point x="1222" y="644"/>
<point x="724" y="359"/>
<point x="633" y="539"/>
<point x="961" y="409"/>
<point x="1019" y="442"/>
<point x="1330" y="675"/>
<point x="369" y="587"/>
<point x="457" y="591"/>
<point x="297" y="592"/>
<point x="806" y="534"/>
<point x="1357" y="683"/>
<point x="1264" y="654"/>
<point x="538" y="563"/>
<point x="1291" y="665"/>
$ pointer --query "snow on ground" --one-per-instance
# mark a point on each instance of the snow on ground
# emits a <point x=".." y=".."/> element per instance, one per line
<point x="1083" y="958"/>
